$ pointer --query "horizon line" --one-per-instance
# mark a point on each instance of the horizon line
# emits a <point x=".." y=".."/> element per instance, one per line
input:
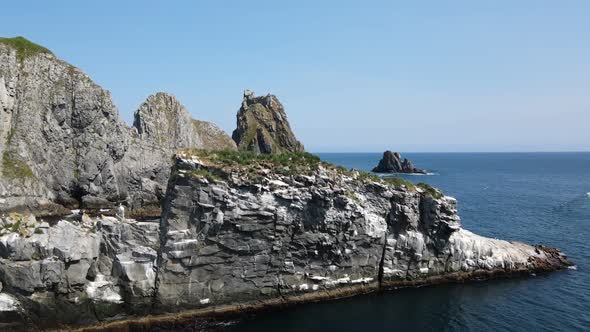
<point x="458" y="152"/>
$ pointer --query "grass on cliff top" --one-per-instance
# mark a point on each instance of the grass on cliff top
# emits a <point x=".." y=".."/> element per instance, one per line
<point x="244" y="158"/>
<point x="398" y="182"/>
<point x="430" y="190"/>
<point x="288" y="163"/>
<point x="24" y="47"/>
<point x="292" y="163"/>
<point x="15" y="169"/>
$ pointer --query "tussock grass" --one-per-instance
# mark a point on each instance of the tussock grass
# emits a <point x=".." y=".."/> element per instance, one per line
<point x="24" y="47"/>
<point x="430" y="190"/>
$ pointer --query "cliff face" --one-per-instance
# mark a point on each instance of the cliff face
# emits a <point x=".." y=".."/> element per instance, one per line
<point x="288" y="225"/>
<point x="60" y="132"/>
<point x="62" y="140"/>
<point x="262" y="126"/>
<point x="243" y="231"/>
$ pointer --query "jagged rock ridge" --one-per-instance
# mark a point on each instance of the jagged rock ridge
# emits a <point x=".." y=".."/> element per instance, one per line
<point x="262" y="126"/>
<point x="165" y="122"/>
<point x="392" y="163"/>
<point x="64" y="144"/>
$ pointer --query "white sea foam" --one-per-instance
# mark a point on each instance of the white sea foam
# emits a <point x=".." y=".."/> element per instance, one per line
<point x="573" y="267"/>
<point x="588" y="194"/>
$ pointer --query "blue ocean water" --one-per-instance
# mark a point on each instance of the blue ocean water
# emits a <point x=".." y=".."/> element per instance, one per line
<point x="530" y="197"/>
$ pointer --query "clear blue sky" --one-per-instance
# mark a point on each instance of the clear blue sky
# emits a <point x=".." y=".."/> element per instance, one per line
<point x="353" y="75"/>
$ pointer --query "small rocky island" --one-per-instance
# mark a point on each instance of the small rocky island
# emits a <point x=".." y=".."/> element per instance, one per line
<point x="392" y="163"/>
<point x="213" y="226"/>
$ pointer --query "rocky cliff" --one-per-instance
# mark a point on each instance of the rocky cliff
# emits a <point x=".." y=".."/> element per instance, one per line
<point x="63" y="143"/>
<point x="393" y="163"/>
<point x="163" y="121"/>
<point x="238" y="231"/>
<point x="243" y="231"/>
<point x="262" y="126"/>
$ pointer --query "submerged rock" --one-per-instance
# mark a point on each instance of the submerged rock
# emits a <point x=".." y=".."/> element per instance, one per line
<point x="262" y="126"/>
<point x="392" y="163"/>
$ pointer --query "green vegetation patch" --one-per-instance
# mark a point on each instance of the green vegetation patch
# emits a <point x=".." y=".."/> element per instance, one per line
<point x="13" y="168"/>
<point x="250" y="133"/>
<point x="398" y="182"/>
<point x="366" y="176"/>
<point x="288" y="163"/>
<point x="24" y="48"/>
<point x="430" y="190"/>
<point x="203" y="173"/>
<point x="230" y="157"/>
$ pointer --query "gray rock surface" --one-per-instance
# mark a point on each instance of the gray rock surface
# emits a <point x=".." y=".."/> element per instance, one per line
<point x="262" y="126"/>
<point x="78" y="270"/>
<point x="263" y="232"/>
<point x="235" y="234"/>
<point x="63" y="143"/>
<point x="163" y="121"/>
<point x="393" y="163"/>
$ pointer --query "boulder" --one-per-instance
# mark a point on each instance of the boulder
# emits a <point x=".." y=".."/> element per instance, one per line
<point x="71" y="243"/>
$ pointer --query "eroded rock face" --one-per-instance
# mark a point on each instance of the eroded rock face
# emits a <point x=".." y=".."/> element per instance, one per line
<point x="262" y="126"/>
<point x="393" y="163"/>
<point x="264" y="233"/>
<point x="163" y="121"/>
<point x="270" y="231"/>
<point x="63" y="143"/>
<point x="77" y="270"/>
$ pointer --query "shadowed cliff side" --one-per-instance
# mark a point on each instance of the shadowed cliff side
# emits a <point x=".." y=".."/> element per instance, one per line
<point x="63" y="143"/>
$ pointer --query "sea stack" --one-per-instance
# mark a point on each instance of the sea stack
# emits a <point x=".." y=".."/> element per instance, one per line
<point x="262" y="126"/>
<point x="393" y="163"/>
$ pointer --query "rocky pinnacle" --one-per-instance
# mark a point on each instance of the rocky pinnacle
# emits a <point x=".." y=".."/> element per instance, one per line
<point x="262" y="126"/>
